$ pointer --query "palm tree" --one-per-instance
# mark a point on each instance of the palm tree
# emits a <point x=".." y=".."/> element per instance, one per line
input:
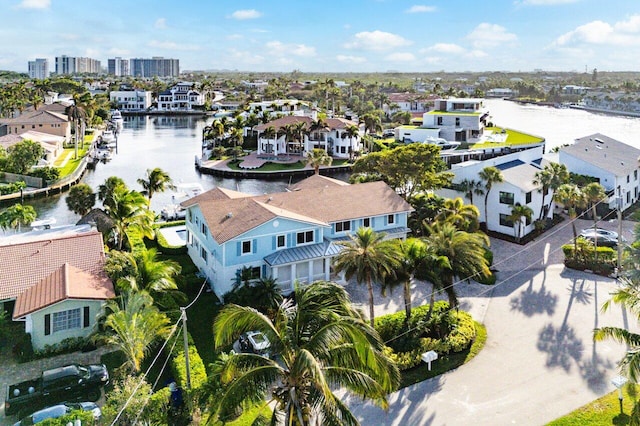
<point x="462" y="216"/>
<point x="237" y="136"/>
<point x="489" y="175"/>
<point x="572" y="198"/>
<point x="128" y="208"/>
<point x="77" y="115"/>
<point x="550" y="177"/>
<point x="464" y="252"/>
<point x="321" y="343"/>
<point x="132" y="324"/>
<point x="301" y="130"/>
<point x="16" y="216"/>
<point x="519" y="212"/>
<point x="157" y="180"/>
<point x="471" y="187"/>
<point x="372" y="122"/>
<point x="351" y="132"/>
<point x="369" y="257"/>
<point x="594" y="193"/>
<point x="269" y="134"/>
<point x="318" y="157"/>
<point x="106" y="190"/>
<point x="81" y="199"/>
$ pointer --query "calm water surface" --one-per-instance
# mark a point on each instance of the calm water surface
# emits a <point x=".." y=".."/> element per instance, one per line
<point x="172" y="143"/>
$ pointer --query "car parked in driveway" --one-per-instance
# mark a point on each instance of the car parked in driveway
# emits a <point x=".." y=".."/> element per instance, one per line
<point x="60" y="410"/>
<point x="252" y="342"/>
<point x="600" y="240"/>
<point x="586" y="232"/>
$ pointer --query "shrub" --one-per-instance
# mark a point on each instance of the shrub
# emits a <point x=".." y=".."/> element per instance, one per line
<point x="11" y="188"/>
<point x="178" y="365"/>
<point x="488" y="280"/>
<point x="85" y="417"/>
<point x="166" y="248"/>
<point x="68" y="345"/>
<point x="22" y="348"/>
<point x="46" y="173"/>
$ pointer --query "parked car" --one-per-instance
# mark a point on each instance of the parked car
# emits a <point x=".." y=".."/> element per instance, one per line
<point x="253" y="342"/>
<point x="601" y="240"/>
<point x="600" y="232"/>
<point x="73" y="382"/>
<point x="58" y="411"/>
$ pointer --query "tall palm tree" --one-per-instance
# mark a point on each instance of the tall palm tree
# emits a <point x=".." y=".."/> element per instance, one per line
<point x="128" y="208"/>
<point x="81" y="199"/>
<point x="77" y="114"/>
<point x="464" y="252"/>
<point x="16" y="216"/>
<point x="594" y="193"/>
<point x="471" y="187"/>
<point x="372" y="122"/>
<point x="132" y="324"/>
<point x="463" y="216"/>
<point x="489" y="175"/>
<point x="550" y="178"/>
<point x="270" y="134"/>
<point x="368" y="257"/>
<point x="318" y="157"/>
<point x="518" y="213"/>
<point x="157" y="180"/>
<point x="301" y="130"/>
<point x="106" y="190"/>
<point x="321" y="343"/>
<point x="572" y="198"/>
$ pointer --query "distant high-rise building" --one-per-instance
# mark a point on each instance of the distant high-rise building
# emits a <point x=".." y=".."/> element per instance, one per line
<point x="154" y="67"/>
<point x="39" y="68"/>
<point x="80" y="65"/>
<point x="118" y="66"/>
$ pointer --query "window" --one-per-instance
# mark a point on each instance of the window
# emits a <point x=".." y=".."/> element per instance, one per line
<point x="439" y="121"/>
<point x="504" y="220"/>
<point x="628" y="177"/>
<point x="343" y="226"/>
<point x="635" y="175"/>
<point x="189" y="238"/>
<point x="391" y="219"/>
<point x="506" y="198"/>
<point x="246" y="247"/>
<point x="528" y="197"/>
<point x="203" y="254"/>
<point x="66" y="320"/>
<point x="457" y="121"/>
<point x="305" y="237"/>
<point x="366" y="222"/>
<point x="204" y="229"/>
<point x="281" y="241"/>
<point x="255" y="273"/>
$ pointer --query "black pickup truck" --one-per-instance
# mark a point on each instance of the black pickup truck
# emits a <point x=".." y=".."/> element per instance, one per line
<point x="69" y="383"/>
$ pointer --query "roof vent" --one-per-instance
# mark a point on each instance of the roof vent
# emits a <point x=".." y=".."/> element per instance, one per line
<point x="598" y="140"/>
<point x="229" y="215"/>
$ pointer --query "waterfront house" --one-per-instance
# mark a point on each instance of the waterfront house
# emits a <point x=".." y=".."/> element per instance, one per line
<point x="518" y="172"/>
<point x="408" y="102"/>
<point x="54" y="282"/>
<point x="131" y="100"/>
<point x="290" y="236"/>
<point x="279" y="107"/>
<point x="613" y="163"/>
<point x="53" y="145"/>
<point x="181" y="97"/>
<point x="40" y="120"/>
<point x="336" y="139"/>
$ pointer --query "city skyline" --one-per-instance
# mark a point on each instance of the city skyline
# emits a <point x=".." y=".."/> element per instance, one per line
<point x="357" y="36"/>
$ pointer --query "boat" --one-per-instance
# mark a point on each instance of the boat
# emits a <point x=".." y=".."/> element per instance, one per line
<point x="42" y="224"/>
<point x="183" y="192"/>
<point x="108" y="136"/>
<point x="443" y="144"/>
<point x="116" y="119"/>
<point x="103" y="154"/>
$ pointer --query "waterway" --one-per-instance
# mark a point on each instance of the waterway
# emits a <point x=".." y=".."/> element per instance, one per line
<point x="172" y="143"/>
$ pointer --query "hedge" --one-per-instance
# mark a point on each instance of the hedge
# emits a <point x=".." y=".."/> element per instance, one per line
<point x="167" y="249"/>
<point x="178" y="364"/>
<point x="586" y="259"/>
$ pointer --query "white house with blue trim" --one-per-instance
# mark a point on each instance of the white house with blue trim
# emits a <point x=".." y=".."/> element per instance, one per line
<point x="290" y="236"/>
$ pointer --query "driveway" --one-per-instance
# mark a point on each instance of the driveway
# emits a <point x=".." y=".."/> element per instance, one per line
<point x="539" y="362"/>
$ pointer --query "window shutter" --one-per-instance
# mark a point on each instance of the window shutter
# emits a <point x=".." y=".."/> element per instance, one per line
<point x="386" y="219"/>
<point x="254" y="246"/>
<point x="239" y="247"/>
<point x="274" y="242"/>
<point x="85" y="317"/>
<point x="47" y="324"/>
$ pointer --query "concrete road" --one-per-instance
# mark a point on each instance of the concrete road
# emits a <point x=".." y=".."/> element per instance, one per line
<point x="540" y="361"/>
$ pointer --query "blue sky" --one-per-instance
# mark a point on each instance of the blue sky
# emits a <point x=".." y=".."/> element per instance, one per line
<point x="330" y="35"/>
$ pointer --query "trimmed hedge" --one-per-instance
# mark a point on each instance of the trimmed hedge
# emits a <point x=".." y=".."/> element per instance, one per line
<point x="605" y="265"/>
<point x="447" y="331"/>
<point x="178" y="364"/>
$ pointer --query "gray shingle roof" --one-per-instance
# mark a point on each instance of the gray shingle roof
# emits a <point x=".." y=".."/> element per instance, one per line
<point x="606" y="153"/>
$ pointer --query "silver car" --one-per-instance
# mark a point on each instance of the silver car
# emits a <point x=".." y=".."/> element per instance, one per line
<point x="60" y="410"/>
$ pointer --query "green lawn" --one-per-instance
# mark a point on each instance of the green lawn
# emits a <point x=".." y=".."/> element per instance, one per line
<point x="601" y="412"/>
<point x="446" y="362"/>
<point x="514" y="138"/>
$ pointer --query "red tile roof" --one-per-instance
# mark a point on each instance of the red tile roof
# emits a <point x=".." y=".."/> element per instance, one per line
<point x="66" y="282"/>
<point x="22" y="265"/>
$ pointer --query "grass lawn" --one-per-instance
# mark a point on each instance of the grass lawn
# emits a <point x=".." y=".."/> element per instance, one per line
<point x="445" y="363"/>
<point x="603" y="411"/>
<point x="72" y="163"/>
<point x="514" y="138"/>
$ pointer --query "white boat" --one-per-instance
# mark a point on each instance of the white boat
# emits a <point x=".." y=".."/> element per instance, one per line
<point x="39" y="225"/>
<point x="103" y="154"/>
<point x="108" y="136"/>
<point x="116" y="118"/>
<point x="183" y="192"/>
<point x="445" y="145"/>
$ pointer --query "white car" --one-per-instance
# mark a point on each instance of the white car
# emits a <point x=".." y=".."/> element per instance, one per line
<point x="253" y="342"/>
<point x="590" y="232"/>
<point x="58" y="411"/>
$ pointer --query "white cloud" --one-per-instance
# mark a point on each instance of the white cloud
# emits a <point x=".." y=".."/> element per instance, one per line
<point x="490" y="35"/>
<point x="160" y="24"/>
<point x="545" y="2"/>
<point x="35" y="4"/>
<point x="623" y="33"/>
<point x="400" y="57"/>
<point x="376" y="40"/>
<point x="245" y="57"/>
<point x="351" y="59"/>
<point x="446" y="48"/>
<point x="420" y="8"/>
<point x="170" y="45"/>
<point x="246" y="14"/>
<point x="280" y="49"/>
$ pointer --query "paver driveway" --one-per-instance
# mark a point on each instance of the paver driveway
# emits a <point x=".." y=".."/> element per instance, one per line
<point x="539" y="362"/>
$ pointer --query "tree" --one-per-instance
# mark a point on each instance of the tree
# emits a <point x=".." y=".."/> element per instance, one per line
<point x="594" y="193"/>
<point x="16" y="216"/>
<point x="471" y="187"/>
<point x="372" y="122"/>
<point x="572" y="198"/>
<point x="157" y="180"/>
<point x="132" y="324"/>
<point x="550" y="178"/>
<point x="368" y="257"/>
<point x="106" y="190"/>
<point x="408" y="169"/>
<point x="81" y="199"/>
<point x="128" y="208"/>
<point x="318" y="157"/>
<point x="489" y="175"/>
<point x="23" y="155"/>
<point x="321" y="343"/>
<point x="77" y="115"/>
<point x="464" y="252"/>
<point x="270" y="134"/>
<point x="464" y="217"/>
<point x="519" y="212"/>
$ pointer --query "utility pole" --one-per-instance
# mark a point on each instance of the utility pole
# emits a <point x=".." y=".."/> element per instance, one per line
<point x="619" y="208"/>
<point x="186" y="346"/>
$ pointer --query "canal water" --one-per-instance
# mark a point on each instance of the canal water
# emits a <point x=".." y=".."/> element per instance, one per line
<point x="172" y="143"/>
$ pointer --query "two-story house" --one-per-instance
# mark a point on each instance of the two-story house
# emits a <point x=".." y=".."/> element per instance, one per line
<point x="340" y="138"/>
<point x="613" y="163"/>
<point x="181" y="97"/>
<point x="131" y="100"/>
<point x="290" y="236"/>
<point x="41" y="120"/>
